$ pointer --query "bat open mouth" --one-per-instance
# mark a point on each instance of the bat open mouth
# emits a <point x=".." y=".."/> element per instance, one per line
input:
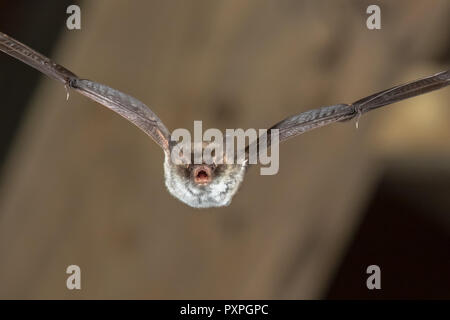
<point x="202" y="175"/>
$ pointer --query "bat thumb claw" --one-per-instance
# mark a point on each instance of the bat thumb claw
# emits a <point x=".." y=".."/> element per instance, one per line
<point x="67" y="92"/>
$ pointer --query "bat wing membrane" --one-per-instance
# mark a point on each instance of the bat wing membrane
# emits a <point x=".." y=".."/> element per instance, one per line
<point x="316" y="118"/>
<point x="128" y="107"/>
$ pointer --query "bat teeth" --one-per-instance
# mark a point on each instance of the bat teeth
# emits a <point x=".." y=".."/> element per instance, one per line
<point x="202" y="174"/>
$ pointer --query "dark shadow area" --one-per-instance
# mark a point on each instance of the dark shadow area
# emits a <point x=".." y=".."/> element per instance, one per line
<point x="406" y="232"/>
<point x="20" y="19"/>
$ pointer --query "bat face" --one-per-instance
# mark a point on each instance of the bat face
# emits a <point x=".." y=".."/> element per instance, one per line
<point x="203" y="185"/>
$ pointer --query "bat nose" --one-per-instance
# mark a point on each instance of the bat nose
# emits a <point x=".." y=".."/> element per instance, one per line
<point x="202" y="174"/>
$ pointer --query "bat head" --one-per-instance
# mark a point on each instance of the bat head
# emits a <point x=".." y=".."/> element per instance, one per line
<point x="203" y="185"/>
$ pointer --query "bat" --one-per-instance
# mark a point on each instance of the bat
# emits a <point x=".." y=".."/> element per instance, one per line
<point x="213" y="184"/>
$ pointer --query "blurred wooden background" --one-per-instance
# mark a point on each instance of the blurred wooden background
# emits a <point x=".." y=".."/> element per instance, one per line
<point x="82" y="186"/>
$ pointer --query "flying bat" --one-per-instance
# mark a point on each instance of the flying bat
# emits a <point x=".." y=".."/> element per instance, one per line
<point x="205" y="185"/>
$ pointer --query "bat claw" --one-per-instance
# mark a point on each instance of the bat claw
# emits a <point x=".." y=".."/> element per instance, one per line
<point x="67" y="92"/>
<point x="359" y="112"/>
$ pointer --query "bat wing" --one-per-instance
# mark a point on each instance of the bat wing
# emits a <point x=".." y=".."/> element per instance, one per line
<point x="316" y="118"/>
<point x="128" y="107"/>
